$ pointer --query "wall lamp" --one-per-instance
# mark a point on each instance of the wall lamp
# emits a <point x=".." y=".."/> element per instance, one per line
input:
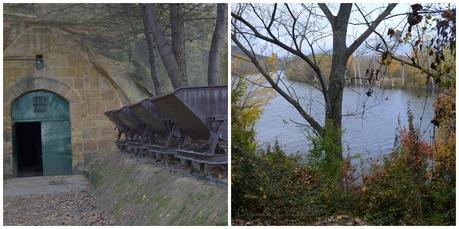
<point x="39" y="60"/>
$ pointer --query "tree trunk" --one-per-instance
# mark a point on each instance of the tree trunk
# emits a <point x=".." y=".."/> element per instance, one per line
<point x="152" y="56"/>
<point x="335" y="93"/>
<point x="164" y="48"/>
<point x="178" y="39"/>
<point x="213" y="69"/>
<point x="337" y="75"/>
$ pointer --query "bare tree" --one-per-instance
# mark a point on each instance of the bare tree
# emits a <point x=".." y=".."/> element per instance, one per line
<point x="173" y="53"/>
<point x="217" y="42"/>
<point x="154" y="67"/>
<point x="177" y="23"/>
<point x="298" y="31"/>
<point x="166" y="28"/>
<point x="164" y="47"/>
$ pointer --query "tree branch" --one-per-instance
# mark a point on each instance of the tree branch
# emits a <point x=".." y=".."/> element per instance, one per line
<point x="314" y="124"/>
<point x="327" y="13"/>
<point x="368" y="24"/>
<point x="296" y="52"/>
<point x="371" y="28"/>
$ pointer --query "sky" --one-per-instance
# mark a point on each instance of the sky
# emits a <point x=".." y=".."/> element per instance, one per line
<point x="323" y="26"/>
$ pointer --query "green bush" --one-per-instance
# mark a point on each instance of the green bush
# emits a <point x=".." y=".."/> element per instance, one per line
<point x="288" y="189"/>
<point x="413" y="185"/>
<point x="270" y="185"/>
<point x="406" y="189"/>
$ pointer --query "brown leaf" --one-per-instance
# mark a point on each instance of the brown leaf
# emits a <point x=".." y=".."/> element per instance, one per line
<point x="447" y="14"/>
<point x="416" y="7"/>
<point x="391" y="32"/>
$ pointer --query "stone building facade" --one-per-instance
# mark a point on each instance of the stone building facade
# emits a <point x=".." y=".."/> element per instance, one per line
<point x="89" y="82"/>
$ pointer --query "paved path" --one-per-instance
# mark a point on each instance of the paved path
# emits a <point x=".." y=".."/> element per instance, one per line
<point x="49" y="200"/>
<point x="43" y="185"/>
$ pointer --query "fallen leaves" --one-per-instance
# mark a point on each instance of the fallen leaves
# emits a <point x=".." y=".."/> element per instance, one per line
<point x="74" y="208"/>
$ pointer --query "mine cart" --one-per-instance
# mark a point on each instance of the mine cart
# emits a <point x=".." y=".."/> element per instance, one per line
<point x="201" y="114"/>
<point x="162" y="135"/>
<point x="135" y="135"/>
<point x="122" y="129"/>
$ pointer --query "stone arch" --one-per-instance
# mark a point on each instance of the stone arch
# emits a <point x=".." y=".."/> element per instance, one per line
<point x="107" y="68"/>
<point x="40" y="83"/>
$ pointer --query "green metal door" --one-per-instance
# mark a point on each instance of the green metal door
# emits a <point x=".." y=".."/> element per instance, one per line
<point x="52" y="111"/>
<point x="55" y="148"/>
<point x="39" y="106"/>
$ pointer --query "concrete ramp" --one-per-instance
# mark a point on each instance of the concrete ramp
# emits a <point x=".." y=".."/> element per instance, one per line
<point x="42" y="185"/>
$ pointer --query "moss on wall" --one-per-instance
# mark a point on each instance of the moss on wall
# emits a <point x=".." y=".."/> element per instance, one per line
<point x="135" y="193"/>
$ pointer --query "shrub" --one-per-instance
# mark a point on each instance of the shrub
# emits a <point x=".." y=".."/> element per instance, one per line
<point x="409" y="187"/>
<point x="271" y="185"/>
<point x="287" y="189"/>
<point x="414" y="184"/>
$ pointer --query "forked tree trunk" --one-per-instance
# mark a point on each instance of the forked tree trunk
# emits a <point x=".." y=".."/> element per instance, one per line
<point x="164" y="48"/>
<point x="154" y="68"/>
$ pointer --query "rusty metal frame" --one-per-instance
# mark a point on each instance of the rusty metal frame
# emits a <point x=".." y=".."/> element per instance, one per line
<point x="198" y="113"/>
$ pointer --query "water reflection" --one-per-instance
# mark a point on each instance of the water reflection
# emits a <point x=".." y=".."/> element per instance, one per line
<point x="369" y="126"/>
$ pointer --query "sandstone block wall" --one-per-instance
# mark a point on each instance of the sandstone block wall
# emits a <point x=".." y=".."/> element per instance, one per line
<point x="69" y="72"/>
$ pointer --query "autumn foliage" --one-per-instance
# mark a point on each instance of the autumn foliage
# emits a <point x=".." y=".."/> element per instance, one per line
<point x="413" y="185"/>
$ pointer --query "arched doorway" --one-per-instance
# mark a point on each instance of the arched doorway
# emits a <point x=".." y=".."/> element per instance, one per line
<point x="41" y="135"/>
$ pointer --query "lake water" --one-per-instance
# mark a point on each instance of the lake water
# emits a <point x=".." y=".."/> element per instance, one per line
<point x="370" y="134"/>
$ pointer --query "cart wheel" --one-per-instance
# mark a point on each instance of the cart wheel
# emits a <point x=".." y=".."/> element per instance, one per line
<point x="194" y="167"/>
<point x="140" y="153"/>
<point x="202" y="169"/>
<point x="207" y="171"/>
<point x="186" y="164"/>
